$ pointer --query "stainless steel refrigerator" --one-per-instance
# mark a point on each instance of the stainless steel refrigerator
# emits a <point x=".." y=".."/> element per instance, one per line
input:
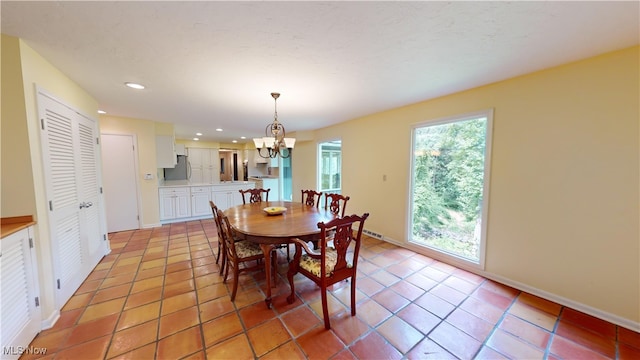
<point x="182" y="171"/>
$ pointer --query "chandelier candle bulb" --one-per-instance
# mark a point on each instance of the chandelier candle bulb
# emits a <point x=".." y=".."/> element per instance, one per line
<point x="274" y="143"/>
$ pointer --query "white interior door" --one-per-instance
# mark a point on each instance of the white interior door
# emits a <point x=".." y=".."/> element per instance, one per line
<point x="120" y="182"/>
<point x="72" y="175"/>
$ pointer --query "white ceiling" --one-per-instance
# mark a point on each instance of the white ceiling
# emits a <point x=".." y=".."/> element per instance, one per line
<point x="213" y="64"/>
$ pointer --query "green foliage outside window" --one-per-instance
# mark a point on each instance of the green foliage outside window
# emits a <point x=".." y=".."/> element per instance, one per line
<point x="448" y="186"/>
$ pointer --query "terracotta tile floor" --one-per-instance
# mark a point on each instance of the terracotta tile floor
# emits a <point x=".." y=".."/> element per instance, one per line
<point x="159" y="295"/>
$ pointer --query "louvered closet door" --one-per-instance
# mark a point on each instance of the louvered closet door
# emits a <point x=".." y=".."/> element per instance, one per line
<point x="20" y="316"/>
<point x="71" y="176"/>
<point x="90" y="188"/>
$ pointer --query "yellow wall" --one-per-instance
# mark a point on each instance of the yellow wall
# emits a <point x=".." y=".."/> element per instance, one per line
<point x="563" y="203"/>
<point x="29" y="184"/>
<point x="145" y="133"/>
<point x="17" y="195"/>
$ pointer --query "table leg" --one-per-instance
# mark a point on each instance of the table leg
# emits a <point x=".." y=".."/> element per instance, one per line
<point x="266" y="250"/>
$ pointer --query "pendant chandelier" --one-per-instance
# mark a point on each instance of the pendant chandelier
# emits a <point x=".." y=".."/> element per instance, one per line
<point x="274" y="142"/>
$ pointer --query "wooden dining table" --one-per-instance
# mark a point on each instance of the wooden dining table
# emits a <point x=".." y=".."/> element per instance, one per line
<point x="298" y="221"/>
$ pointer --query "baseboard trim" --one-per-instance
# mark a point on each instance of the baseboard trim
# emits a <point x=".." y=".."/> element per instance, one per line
<point x="612" y="318"/>
<point x="149" y="226"/>
<point x="50" y="321"/>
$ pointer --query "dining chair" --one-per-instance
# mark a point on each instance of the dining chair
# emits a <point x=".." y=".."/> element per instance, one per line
<point x="221" y="249"/>
<point x="255" y="195"/>
<point x="336" y="203"/>
<point x="311" y="197"/>
<point x="332" y="264"/>
<point x="239" y="254"/>
<point x="214" y="210"/>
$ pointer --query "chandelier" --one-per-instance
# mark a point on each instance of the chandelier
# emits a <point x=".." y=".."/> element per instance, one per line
<point x="274" y="142"/>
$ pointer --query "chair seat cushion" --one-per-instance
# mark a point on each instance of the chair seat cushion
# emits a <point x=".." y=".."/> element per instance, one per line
<point x="313" y="265"/>
<point x="245" y="249"/>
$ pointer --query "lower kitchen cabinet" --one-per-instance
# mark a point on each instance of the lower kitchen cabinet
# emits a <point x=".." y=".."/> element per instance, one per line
<point x="175" y="203"/>
<point x="228" y="195"/>
<point x="200" y="196"/>
<point x="182" y="203"/>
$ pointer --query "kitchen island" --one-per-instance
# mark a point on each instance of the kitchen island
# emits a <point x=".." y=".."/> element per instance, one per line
<point x="182" y="200"/>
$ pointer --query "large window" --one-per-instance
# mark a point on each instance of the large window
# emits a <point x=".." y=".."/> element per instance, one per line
<point x="330" y="164"/>
<point x="449" y="185"/>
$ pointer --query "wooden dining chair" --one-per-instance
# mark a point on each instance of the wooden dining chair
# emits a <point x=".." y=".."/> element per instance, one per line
<point x="221" y="249"/>
<point x="255" y="195"/>
<point x="330" y="264"/>
<point x="336" y="203"/>
<point x="214" y="210"/>
<point x="239" y="254"/>
<point x="311" y="197"/>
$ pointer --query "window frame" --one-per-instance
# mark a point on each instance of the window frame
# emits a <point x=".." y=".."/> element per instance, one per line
<point x="320" y="167"/>
<point x="436" y="253"/>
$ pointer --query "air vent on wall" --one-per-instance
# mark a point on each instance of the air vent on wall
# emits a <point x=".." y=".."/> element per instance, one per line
<point x="373" y="234"/>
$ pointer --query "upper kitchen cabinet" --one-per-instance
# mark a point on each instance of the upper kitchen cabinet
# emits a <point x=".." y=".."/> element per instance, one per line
<point x="205" y="168"/>
<point x="257" y="159"/>
<point x="165" y="151"/>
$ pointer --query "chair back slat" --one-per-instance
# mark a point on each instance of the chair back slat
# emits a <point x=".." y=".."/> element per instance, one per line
<point x="336" y="203"/>
<point x="311" y="197"/>
<point x="342" y="237"/>
<point x="255" y="195"/>
<point x="226" y="235"/>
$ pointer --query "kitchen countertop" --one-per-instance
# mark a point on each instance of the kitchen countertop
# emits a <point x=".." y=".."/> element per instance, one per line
<point x="11" y="225"/>
<point x="176" y="183"/>
<point x="262" y="177"/>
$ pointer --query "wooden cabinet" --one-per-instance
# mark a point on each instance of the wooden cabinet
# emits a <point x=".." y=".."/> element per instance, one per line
<point x="175" y="203"/>
<point x="205" y="165"/>
<point x="20" y="311"/>
<point x="228" y="195"/>
<point x="200" y="196"/>
<point x="165" y="152"/>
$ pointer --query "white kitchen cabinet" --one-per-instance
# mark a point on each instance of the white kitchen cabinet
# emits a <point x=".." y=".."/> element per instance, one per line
<point x="257" y="159"/>
<point x="228" y="195"/>
<point x="205" y="165"/>
<point x="175" y="203"/>
<point x="200" y="196"/>
<point x="165" y="151"/>
<point x="20" y="311"/>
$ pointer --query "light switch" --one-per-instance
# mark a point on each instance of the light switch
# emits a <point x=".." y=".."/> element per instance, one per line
<point x="148" y="176"/>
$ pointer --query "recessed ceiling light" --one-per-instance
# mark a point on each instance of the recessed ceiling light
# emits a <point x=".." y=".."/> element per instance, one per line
<point x="243" y="137"/>
<point x="218" y="129"/>
<point x="134" y="85"/>
<point x="101" y="112"/>
<point x="196" y="139"/>
<point x="199" y="134"/>
<point x="234" y="141"/>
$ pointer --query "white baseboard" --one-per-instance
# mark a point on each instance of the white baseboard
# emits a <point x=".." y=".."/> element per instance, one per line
<point x="149" y="226"/>
<point x="612" y="318"/>
<point x="50" y="320"/>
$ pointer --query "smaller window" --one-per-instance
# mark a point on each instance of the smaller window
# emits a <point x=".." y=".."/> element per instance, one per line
<point x="330" y="166"/>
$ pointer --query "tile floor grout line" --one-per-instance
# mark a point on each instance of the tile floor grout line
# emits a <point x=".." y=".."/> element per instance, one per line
<point x="496" y="327"/>
<point x="195" y="238"/>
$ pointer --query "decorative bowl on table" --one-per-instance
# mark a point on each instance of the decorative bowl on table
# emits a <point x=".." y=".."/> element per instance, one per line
<point x="275" y="210"/>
